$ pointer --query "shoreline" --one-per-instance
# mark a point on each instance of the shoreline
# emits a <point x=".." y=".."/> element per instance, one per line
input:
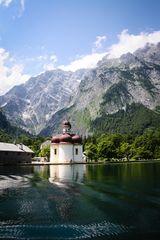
<point x="82" y="163"/>
<point x="91" y="163"/>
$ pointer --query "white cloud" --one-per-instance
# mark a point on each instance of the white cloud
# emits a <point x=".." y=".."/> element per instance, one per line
<point x="130" y="43"/>
<point x="21" y="3"/>
<point x="126" y="43"/>
<point x="53" y="58"/>
<point x="98" y="44"/>
<point x="48" y="66"/>
<point x="40" y="63"/>
<point x="10" y="75"/>
<point x="50" y="63"/>
<point x="5" y="3"/>
<point x="22" y="8"/>
<point x="42" y="58"/>
<point x="87" y="61"/>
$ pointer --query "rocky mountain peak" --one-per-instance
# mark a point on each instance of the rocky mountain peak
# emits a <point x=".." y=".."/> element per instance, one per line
<point x="150" y="53"/>
<point x="82" y="96"/>
<point x="32" y="104"/>
<point x="112" y="86"/>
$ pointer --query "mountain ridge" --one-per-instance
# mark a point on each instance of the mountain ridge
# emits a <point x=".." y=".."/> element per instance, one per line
<point x="43" y="102"/>
<point x="31" y="104"/>
<point x="113" y="85"/>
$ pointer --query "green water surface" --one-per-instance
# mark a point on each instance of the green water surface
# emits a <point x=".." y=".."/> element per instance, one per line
<point x="116" y="201"/>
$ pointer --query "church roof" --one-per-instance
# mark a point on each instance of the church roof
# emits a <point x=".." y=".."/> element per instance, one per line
<point x="66" y="138"/>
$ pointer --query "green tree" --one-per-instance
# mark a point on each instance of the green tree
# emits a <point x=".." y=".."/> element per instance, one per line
<point x="106" y="149"/>
<point x="157" y="152"/>
<point x="45" y="152"/>
<point x="126" y="150"/>
<point x="143" y="153"/>
<point x="91" y="151"/>
<point x="145" y="145"/>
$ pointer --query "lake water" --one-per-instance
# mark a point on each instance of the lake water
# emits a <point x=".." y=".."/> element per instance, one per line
<point x="116" y="201"/>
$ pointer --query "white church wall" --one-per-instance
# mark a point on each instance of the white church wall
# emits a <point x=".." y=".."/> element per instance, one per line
<point x="78" y="153"/>
<point x="65" y="153"/>
<point x="54" y="153"/>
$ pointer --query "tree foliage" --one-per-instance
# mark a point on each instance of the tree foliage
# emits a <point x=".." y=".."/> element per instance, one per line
<point x="45" y="152"/>
<point x="121" y="146"/>
<point x="135" y="119"/>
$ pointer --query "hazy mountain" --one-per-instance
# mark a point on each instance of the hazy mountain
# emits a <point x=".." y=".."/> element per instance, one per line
<point x="112" y="86"/>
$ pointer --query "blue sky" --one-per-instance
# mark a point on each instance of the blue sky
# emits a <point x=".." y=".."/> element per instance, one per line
<point x="39" y="35"/>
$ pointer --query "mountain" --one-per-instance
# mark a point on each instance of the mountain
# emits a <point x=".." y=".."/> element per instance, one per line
<point x="135" y="119"/>
<point x="129" y="84"/>
<point x="9" y="133"/>
<point x="32" y="104"/>
<point x="5" y="128"/>
<point x="91" y="99"/>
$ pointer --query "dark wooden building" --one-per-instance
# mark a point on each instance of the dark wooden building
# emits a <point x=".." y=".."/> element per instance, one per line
<point x="14" y="154"/>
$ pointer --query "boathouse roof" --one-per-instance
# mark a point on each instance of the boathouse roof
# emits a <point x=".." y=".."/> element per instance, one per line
<point x="10" y="147"/>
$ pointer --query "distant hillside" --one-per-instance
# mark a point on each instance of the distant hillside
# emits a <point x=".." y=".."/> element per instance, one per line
<point x="9" y="133"/>
<point x="135" y="119"/>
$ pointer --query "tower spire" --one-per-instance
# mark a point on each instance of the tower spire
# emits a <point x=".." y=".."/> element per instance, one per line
<point x="66" y="126"/>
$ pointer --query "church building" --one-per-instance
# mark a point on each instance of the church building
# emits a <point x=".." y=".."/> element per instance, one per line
<point x="66" y="147"/>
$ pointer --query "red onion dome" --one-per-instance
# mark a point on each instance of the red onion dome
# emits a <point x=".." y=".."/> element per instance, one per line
<point x="66" y="138"/>
<point x="76" y="139"/>
<point x="55" y="139"/>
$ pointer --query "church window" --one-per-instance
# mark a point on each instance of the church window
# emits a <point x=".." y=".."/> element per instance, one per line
<point x="55" y="151"/>
<point x="76" y="151"/>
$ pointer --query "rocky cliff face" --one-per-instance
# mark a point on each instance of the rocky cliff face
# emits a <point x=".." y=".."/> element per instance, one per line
<point x="117" y="82"/>
<point x="32" y="104"/>
<point x="114" y="84"/>
<point x="44" y="101"/>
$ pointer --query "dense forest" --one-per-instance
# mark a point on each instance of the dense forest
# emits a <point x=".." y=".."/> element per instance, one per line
<point x="112" y="146"/>
<point x="133" y="133"/>
<point x="135" y="119"/>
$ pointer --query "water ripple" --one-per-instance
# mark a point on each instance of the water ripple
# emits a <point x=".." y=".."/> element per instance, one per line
<point x="68" y="232"/>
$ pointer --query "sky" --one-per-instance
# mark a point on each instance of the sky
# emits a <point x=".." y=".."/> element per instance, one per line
<point x="41" y="35"/>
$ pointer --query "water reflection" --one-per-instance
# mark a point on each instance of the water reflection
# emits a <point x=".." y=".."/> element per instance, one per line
<point x="67" y="173"/>
<point x="118" y="201"/>
<point x="11" y="177"/>
<point x="66" y="180"/>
